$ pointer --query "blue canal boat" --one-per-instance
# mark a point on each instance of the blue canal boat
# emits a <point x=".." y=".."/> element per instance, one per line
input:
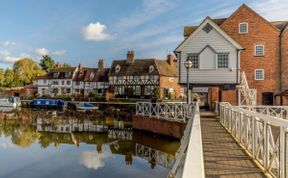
<point x="48" y="103"/>
<point x="86" y="106"/>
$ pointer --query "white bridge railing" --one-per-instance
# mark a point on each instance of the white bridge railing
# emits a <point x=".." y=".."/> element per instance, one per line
<point x="168" y="111"/>
<point x="277" y="111"/>
<point x="261" y="134"/>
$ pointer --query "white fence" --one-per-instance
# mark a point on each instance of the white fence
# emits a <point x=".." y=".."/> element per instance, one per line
<point x="262" y="135"/>
<point x="169" y="111"/>
<point x="277" y="111"/>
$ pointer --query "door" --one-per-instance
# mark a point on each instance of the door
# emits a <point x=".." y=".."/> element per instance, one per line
<point x="267" y="98"/>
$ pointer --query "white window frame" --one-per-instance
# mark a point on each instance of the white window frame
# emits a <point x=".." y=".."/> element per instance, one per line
<point x="191" y="58"/>
<point x="239" y="27"/>
<point x="255" y="50"/>
<point x="217" y="60"/>
<point x="263" y="72"/>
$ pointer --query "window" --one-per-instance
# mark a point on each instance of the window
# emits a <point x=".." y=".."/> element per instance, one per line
<point x="259" y="50"/>
<point x="207" y="28"/>
<point x="77" y="83"/>
<point x="68" y="82"/>
<point x="137" y="90"/>
<point x="117" y="68"/>
<point x="63" y="82"/>
<point x="56" y="75"/>
<point x="68" y="90"/>
<point x="194" y="58"/>
<point x="45" y="81"/>
<point x="171" y="79"/>
<point x="223" y="60"/>
<point x="243" y="27"/>
<point x="151" y="69"/>
<point x="67" y="74"/>
<point x="55" y="83"/>
<point x="92" y="75"/>
<point x="259" y="74"/>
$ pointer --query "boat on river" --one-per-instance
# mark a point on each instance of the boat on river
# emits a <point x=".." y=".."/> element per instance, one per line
<point x="11" y="102"/>
<point x="48" y="104"/>
<point x="86" y="106"/>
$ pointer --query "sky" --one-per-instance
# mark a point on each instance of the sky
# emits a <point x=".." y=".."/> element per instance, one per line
<point x="83" y="31"/>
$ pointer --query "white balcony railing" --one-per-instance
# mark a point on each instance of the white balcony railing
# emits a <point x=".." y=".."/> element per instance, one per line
<point x="262" y="135"/>
<point x="168" y="111"/>
<point x="189" y="156"/>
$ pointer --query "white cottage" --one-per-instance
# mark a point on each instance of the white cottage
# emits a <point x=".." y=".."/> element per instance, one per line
<point x="215" y="57"/>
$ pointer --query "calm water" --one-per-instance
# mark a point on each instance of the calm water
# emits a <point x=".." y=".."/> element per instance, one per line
<point x="71" y="148"/>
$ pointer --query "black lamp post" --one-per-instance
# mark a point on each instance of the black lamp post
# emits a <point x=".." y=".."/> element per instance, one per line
<point x="188" y="64"/>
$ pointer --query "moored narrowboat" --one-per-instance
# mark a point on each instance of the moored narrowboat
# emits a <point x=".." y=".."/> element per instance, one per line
<point x="48" y="104"/>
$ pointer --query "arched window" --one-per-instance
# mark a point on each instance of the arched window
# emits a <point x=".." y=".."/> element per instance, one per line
<point x="151" y="69"/>
<point x="117" y="68"/>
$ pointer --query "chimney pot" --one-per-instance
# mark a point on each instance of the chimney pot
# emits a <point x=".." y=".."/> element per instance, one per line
<point x="130" y="57"/>
<point x="170" y="59"/>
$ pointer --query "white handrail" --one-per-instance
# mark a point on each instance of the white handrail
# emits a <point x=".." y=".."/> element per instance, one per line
<point x="278" y="111"/>
<point x="262" y="135"/>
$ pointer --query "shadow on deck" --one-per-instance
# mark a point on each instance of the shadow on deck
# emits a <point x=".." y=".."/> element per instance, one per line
<point x="223" y="157"/>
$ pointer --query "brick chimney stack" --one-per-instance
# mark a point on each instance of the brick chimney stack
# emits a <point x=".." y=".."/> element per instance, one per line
<point x="170" y="59"/>
<point x="58" y="65"/>
<point x="130" y="57"/>
<point x="101" y="64"/>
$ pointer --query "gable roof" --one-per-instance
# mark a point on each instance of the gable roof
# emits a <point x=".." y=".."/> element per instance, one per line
<point x="141" y="67"/>
<point x="91" y="75"/>
<point x="216" y="27"/>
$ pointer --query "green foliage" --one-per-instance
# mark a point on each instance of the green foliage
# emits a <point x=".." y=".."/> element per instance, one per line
<point x="9" y="78"/>
<point x="94" y="95"/>
<point x="47" y="63"/>
<point x="170" y="95"/>
<point x="157" y="92"/>
<point x="129" y="92"/>
<point x="2" y="77"/>
<point x="25" y="70"/>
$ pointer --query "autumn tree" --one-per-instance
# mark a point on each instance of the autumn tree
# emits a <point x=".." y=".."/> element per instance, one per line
<point x="1" y="77"/>
<point x="47" y="63"/>
<point x="9" y="78"/>
<point x="65" y="65"/>
<point x="25" y="70"/>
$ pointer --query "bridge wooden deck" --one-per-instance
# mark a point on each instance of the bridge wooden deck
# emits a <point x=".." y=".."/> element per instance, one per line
<point x="223" y="157"/>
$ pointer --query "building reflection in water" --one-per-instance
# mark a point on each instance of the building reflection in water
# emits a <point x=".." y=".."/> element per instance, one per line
<point x="114" y="138"/>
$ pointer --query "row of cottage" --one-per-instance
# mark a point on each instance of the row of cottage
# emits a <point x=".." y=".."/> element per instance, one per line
<point x="130" y="76"/>
<point x="219" y="49"/>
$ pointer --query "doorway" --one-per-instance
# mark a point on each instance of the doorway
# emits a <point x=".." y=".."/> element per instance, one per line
<point x="267" y="98"/>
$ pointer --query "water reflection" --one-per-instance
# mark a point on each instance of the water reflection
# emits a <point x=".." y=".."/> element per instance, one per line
<point x="103" y="148"/>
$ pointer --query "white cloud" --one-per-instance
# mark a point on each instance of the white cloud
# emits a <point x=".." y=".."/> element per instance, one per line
<point x="41" y="52"/>
<point x="59" y="52"/>
<point x="7" y="58"/>
<point x="150" y="10"/>
<point x="8" y="43"/>
<point x="95" y="32"/>
<point x="93" y="160"/>
<point x="271" y="9"/>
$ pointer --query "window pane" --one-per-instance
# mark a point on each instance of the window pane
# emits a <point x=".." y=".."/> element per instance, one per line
<point x="194" y="58"/>
<point x="259" y="74"/>
<point x="223" y="61"/>
<point x="243" y="28"/>
<point x="259" y="50"/>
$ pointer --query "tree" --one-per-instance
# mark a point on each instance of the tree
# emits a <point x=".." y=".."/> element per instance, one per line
<point x="1" y="77"/>
<point x="25" y="70"/>
<point x="47" y="63"/>
<point x="9" y="78"/>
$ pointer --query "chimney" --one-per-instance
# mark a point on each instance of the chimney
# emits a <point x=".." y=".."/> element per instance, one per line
<point x="130" y="57"/>
<point x="170" y="59"/>
<point x="58" y="65"/>
<point x="80" y="66"/>
<point x="101" y="64"/>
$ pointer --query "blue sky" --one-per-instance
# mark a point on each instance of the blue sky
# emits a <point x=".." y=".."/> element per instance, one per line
<point x="82" y="31"/>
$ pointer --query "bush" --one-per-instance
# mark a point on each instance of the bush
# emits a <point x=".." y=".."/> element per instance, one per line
<point x="129" y="92"/>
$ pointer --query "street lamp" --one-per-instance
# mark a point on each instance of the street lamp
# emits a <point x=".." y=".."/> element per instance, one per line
<point x="188" y="64"/>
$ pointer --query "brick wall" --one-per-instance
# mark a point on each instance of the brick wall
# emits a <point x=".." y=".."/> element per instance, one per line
<point x="166" y="83"/>
<point x="260" y="32"/>
<point x="284" y="63"/>
<point x="229" y="96"/>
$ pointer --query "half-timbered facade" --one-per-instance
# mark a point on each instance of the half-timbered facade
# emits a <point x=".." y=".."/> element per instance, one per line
<point x="143" y="77"/>
<point x="73" y="81"/>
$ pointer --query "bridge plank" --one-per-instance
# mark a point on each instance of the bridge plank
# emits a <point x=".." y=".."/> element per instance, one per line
<point x="223" y="157"/>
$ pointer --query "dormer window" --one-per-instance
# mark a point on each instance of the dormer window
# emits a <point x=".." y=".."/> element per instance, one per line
<point x="81" y="73"/>
<point x="117" y="68"/>
<point x="151" y="69"/>
<point x="55" y="75"/>
<point x="207" y="28"/>
<point x="243" y="28"/>
<point x="92" y="75"/>
<point x="67" y="74"/>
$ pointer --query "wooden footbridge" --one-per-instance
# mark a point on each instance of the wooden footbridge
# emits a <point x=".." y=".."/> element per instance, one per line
<point x="233" y="141"/>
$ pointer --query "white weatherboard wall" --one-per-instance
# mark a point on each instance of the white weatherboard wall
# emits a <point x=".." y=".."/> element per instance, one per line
<point x="208" y="72"/>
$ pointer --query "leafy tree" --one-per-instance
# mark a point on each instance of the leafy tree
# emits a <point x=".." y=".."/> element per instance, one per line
<point x="25" y="70"/>
<point x="47" y="63"/>
<point x="9" y="78"/>
<point x="1" y="77"/>
<point x="157" y="92"/>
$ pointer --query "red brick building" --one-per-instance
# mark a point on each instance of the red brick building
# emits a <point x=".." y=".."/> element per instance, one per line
<point x="262" y="55"/>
